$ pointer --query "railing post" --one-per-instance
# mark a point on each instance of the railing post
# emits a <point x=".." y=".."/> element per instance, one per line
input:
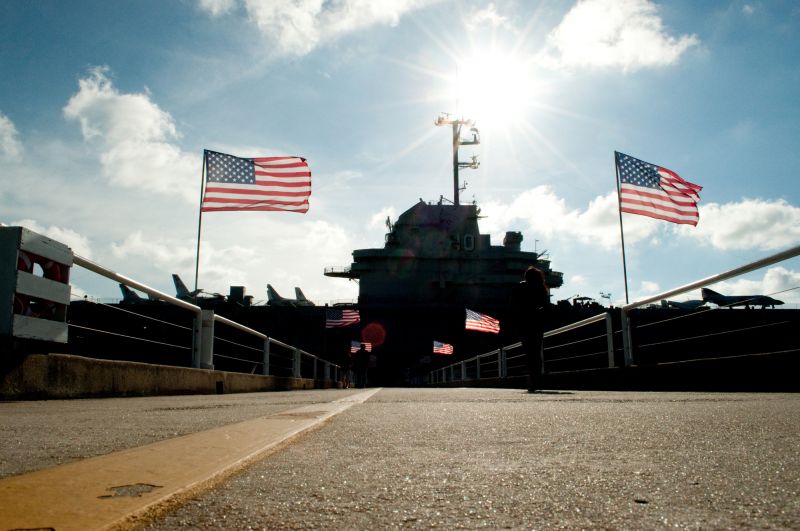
<point x="197" y="340"/>
<point x="503" y="364"/>
<point x="205" y="358"/>
<point x="478" y="368"/>
<point x="627" y="344"/>
<point x="463" y="371"/>
<point x="610" y="340"/>
<point x="265" y="360"/>
<point x="326" y="371"/>
<point x="314" y="372"/>
<point x="296" y="364"/>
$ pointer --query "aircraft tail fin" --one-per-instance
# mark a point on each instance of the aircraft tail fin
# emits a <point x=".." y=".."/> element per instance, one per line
<point x="298" y="293"/>
<point x="180" y="288"/>
<point x="272" y="295"/>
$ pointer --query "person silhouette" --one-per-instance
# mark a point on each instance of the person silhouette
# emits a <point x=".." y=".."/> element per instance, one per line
<point x="529" y="299"/>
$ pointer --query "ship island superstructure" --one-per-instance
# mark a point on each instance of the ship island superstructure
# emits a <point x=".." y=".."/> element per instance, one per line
<point x="434" y="254"/>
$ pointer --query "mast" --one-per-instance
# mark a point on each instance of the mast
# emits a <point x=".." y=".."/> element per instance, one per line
<point x="473" y="164"/>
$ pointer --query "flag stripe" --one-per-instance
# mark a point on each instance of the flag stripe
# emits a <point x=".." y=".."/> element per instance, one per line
<point x="442" y="348"/>
<point x="262" y="184"/>
<point x="649" y="190"/>
<point x="336" y="318"/>
<point x="481" y="323"/>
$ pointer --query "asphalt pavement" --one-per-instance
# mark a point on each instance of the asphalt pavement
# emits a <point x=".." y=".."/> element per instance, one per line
<point x="466" y="458"/>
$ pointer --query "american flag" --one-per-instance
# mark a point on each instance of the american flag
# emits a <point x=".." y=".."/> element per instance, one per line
<point x="482" y="323"/>
<point x="442" y="348"/>
<point x="265" y="183"/>
<point x="335" y="317"/>
<point x="355" y="346"/>
<point x="656" y="192"/>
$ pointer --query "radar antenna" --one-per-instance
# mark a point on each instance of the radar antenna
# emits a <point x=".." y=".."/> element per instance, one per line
<point x="473" y="164"/>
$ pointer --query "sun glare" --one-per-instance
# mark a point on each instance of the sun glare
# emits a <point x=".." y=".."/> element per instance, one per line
<point x="493" y="88"/>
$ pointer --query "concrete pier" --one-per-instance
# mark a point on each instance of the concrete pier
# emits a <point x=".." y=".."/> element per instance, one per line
<point x="449" y="458"/>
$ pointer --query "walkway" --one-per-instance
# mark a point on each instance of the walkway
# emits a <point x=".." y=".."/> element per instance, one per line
<point x="451" y="458"/>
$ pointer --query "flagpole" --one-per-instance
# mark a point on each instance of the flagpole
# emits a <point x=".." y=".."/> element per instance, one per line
<point x="621" y="232"/>
<point x="199" y="220"/>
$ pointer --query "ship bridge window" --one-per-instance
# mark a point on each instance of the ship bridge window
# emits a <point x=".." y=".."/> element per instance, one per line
<point x="469" y="242"/>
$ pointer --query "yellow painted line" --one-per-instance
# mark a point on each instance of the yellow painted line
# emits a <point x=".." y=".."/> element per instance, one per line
<point x="106" y="492"/>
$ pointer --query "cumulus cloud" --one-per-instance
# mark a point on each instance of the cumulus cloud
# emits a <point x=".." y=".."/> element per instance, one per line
<point x="136" y="137"/>
<point x="547" y="214"/>
<point x="747" y="224"/>
<point x="79" y="243"/>
<point x="778" y="282"/>
<point x="296" y="27"/>
<point x="625" y="34"/>
<point x="10" y="146"/>
<point x="378" y="220"/>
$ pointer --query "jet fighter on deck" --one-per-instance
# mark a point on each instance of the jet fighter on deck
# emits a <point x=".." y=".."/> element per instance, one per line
<point x="739" y="300"/>
<point x="198" y="296"/>
<point x="273" y="299"/>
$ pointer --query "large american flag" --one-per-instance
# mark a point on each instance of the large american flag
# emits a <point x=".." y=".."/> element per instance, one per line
<point x="265" y="183"/>
<point x="442" y="348"/>
<point x="335" y="317"/>
<point x="482" y="323"/>
<point x="656" y="192"/>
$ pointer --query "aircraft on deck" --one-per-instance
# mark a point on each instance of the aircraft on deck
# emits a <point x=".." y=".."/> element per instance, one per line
<point x="131" y="297"/>
<point x="197" y="296"/>
<point x="273" y="299"/>
<point x="683" y="305"/>
<point x="739" y="300"/>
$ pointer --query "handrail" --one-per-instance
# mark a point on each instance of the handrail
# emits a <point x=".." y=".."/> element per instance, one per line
<point x="576" y="324"/>
<point x="752" y="266"/>
<point x="626" y="336"/>
<point x="197" y="310"/>
<point x="113" y="275"/>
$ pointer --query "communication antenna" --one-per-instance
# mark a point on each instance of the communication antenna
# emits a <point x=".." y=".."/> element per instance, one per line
<point x="473" y="164"/>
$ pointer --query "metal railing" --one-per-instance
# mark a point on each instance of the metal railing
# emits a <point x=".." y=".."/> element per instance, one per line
<point x="203" y="333"/>
<point x="501" y="364"/>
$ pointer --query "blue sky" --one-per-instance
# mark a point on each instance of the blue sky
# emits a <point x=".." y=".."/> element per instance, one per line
<point x="105" y="108"/>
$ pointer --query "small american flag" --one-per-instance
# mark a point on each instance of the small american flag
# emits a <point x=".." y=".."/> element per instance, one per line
<point x="265" y="183"/>
<point x="482" y="323"/>
<point x="656" y="192"/>
<point x="442" y="348"/>
<point x="335" y="317"/>
<point x="355" y="346"/>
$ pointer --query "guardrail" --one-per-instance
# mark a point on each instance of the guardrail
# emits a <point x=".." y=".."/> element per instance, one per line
<point x="499" y="364"/>
<point x="203" y="332"/>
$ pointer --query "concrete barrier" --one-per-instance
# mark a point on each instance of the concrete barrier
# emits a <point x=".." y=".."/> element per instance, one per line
<point x="58" y="376"/>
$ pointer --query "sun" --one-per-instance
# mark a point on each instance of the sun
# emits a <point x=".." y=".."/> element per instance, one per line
<point x="494" y="88"/>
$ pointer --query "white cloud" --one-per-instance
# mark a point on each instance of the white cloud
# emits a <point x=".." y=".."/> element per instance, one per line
<point x="648" y="287"/>
<point x="625" y="34"/>
<point x="136" y="137"/>
<point x="748" y="224"/>
<point x="10" y="146"/>
<point x="79" y="243"/>
<point x="488" y="15"/>
<point x="296" y="27"/>
<point x="547" y="215"/>
<point x="747" y="9"/>
<point x="378" y="220"/>
<point x="778" y="282"/>
<point x="217" y="7"/>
